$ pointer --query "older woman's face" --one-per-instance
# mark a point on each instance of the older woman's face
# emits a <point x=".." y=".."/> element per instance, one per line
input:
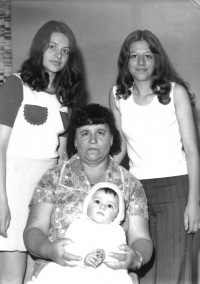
<point x="93" y="143"/>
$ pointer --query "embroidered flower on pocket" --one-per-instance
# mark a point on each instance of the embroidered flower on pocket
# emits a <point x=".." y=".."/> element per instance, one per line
<point x="35" y="115"/>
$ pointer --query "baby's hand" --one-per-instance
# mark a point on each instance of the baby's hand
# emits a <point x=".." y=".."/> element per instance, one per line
<point x="94" y="258"/>
<point x="101" y="255"/>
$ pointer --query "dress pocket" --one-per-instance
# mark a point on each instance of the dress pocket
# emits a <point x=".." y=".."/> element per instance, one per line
<point x="35" y="115"/>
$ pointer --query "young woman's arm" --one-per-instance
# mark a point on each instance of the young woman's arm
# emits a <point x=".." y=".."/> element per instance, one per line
<point x="62" y="150"/>
<point x="11" y="96"/>
<point x="5" y="132"/>
<point x="119" y="157"/>
<point x="190" y="144"/>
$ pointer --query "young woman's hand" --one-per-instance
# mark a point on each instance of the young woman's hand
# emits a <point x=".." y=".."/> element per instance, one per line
<point x="57" y="253"/>
<point x="4" y="218"/>
<point x="192" y="217"/>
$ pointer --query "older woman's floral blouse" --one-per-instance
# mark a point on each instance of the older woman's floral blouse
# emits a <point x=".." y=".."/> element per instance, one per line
<point x="66" y="185"/>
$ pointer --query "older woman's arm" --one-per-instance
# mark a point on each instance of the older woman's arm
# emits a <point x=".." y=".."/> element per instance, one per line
<point x="139" y="245"/>
<point x="35" y="237"/>
<point x="139" y="239"/>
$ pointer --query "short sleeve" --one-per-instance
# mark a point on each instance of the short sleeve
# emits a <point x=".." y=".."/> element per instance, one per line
<point x="138" y="200"/>
<point x="46" y="187"/>
<point x="11" y="96"/>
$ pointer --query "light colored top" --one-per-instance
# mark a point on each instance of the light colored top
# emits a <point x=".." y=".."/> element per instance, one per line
<point x="37" y="126"/>
<point x="153" y="139"/>
<point x="89" y="236"/>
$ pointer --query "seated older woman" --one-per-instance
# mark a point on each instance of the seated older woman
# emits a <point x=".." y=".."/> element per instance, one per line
<point x="58" y="198"/>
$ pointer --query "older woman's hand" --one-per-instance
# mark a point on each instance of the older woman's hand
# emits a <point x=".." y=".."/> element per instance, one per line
<point x="126" y="259"/>
<point x="57" y="253"/>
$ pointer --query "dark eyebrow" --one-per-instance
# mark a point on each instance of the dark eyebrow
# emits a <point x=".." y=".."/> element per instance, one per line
<point x="148" y="52"/>
<point x="53" y="42"/>
<point x="57" y="44"/>
<point x="102" y="129"/>
<point x="84" y="130"/>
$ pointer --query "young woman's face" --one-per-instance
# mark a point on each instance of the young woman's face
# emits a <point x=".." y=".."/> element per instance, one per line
<point x="141" y="62"/>
<point x="103" y="207"/>
<point x="56" y="54"/>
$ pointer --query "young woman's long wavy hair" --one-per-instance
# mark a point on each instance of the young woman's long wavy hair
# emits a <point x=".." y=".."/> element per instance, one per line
<point x="68" y="81"/>
<point x="163" y="73"/>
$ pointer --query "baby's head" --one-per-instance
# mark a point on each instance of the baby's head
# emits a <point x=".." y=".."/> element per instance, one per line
<point x="104" y="204"/>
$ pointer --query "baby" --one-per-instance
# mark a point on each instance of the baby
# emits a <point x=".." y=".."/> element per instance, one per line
<point x="96" y="233"/>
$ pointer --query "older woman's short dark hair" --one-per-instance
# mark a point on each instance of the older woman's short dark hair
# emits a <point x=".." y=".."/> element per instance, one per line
<point x="89" y="115"/>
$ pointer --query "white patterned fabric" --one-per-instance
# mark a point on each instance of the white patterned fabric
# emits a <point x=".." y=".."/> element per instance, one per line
<point x="66" y="186"/>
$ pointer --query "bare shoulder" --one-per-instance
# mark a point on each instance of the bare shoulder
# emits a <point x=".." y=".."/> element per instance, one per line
<point x="183" y="106"/>
<point x="181" y="95"/>
<point x="112" y="103"/>
<point x="111" y="94"/>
